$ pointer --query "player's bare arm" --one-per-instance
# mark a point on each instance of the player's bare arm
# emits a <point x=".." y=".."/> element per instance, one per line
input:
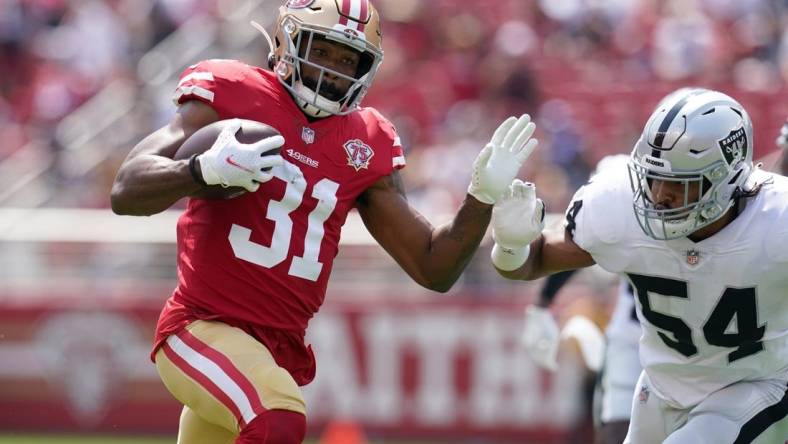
<point x="523" y="249"/>
<point x="433" y="257"/>
<point x="149" y="181"/>
<point x="550" y="253"/>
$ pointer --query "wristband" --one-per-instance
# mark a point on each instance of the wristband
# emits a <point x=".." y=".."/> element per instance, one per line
<point x="193" y="170"/>
<point x="508" y="259"/>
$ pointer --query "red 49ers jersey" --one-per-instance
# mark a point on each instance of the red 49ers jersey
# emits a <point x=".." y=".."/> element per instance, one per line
<point x="264" y="258"/>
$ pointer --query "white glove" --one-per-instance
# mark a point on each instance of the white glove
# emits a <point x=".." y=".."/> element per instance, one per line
<point x="518" y="216"/>
<point x="500" y="160"/>
<point x="782" y="139"/>
<point x="541" y="337"/>
<point x="230" y="163"/>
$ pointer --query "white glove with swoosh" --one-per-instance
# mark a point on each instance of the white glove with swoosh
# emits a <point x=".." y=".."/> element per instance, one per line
<point x="230" y="163"/>
<point x="500" y="160"/>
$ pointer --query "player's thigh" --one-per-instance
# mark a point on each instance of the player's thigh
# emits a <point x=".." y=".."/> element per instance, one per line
<point x="745" y="412"/>
<point x="192" y="429"/>
<point x="648" y="422"/>
<point x="620" y="375"/>
<point x="224" y="375"/>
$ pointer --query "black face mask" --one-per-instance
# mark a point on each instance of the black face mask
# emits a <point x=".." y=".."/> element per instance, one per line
<point x="327" y="90"/>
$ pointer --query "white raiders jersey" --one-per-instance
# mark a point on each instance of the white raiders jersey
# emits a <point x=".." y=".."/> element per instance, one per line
<point x="624" y="325"/>
<point x="713" y="312"/>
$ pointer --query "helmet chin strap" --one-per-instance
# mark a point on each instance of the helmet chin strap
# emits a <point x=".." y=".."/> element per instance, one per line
<point x="262" y="30"/>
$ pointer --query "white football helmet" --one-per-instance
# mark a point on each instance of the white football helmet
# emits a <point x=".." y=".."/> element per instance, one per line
<point x="354" y="23"/>
<point x="695" y="136"/>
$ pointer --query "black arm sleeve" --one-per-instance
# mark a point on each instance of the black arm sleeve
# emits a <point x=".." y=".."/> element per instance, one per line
<point x="553" y="285"/>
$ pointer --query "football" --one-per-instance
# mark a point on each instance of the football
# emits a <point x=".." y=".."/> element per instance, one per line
<point x="251" y="131"/>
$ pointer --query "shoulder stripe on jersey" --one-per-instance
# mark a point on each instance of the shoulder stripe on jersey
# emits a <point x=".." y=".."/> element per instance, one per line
<point x="197" y="75"/>
<point x="670" y="116"/>
<point x="398" y="161"/>
<point x="192" y="90"/>
<point x="397" y="141"/>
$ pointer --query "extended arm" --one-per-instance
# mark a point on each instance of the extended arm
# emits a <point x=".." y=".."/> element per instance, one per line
<point x="522" y="250"/>
<point x="552" y="286"/>
<point x="553" y="251"/>
<point x="149" y="181"/>
<point x="433" y="257"/>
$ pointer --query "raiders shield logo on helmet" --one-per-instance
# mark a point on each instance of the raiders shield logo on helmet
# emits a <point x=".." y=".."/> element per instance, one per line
<point x="734" y="146"/>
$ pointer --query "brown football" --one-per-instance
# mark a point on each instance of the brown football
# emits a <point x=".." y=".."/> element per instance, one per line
<point x="251" y="131"/>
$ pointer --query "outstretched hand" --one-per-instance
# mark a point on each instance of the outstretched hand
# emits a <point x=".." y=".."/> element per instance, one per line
<point x="500" y="160"/>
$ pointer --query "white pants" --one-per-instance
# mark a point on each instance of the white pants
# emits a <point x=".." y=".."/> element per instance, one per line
<point x="742" y="413"/>
<point x="618" y="380"/>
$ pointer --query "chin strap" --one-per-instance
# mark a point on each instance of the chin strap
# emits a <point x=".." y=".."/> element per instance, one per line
<point x="262" y="30"/>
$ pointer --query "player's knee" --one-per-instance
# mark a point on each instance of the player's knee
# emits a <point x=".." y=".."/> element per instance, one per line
<point x="274" y="427"/>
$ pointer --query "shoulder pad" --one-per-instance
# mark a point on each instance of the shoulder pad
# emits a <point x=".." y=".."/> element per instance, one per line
<point x="383" y="133"/>
<point x="225" y="85"/>
<point x="774" y="207"/>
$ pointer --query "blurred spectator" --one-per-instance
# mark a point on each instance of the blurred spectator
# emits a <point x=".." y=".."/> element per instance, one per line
<point x="583" y="67"/>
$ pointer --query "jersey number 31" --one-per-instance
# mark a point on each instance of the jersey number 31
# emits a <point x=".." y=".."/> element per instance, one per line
<point x="306" y="266"/>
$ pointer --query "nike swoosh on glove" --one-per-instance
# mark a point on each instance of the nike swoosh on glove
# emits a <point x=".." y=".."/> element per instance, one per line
<point x="230" y="163"/>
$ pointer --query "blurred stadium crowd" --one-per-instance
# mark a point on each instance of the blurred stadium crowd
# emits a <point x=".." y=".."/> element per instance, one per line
<point x="81" y="81"/>
<point x="589" y="70"/>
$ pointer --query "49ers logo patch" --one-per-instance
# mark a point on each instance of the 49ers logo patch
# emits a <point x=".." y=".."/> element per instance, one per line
<point x="299" y="4"/>
<point x="358" y="154"/>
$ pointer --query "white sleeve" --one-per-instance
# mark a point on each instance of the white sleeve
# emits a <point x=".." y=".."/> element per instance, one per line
<point x="600" y="218"/>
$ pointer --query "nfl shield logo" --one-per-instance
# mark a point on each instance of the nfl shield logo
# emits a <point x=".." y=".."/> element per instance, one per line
<point x="358" y="154"/>
<point x="693" y="256"/>
<point x="644" y="393"/>
<point x="308" y="135"/>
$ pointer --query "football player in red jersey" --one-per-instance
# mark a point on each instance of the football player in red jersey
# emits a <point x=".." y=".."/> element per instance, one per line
<point x="253" y="269"/>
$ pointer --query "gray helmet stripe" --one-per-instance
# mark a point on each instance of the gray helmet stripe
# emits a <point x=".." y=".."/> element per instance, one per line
<point x="659" y="139"/>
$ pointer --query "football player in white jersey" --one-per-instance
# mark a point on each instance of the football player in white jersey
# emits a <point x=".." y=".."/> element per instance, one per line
<point x="701" y="235"/>
<point x="621" y="368"/>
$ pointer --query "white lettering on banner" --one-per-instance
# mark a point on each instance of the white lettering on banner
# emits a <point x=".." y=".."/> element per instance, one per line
<point x="339" y="390"/>
<point x="506" y="388"/>
<point x="384" y="371"/>
<point x="438" y="337"/>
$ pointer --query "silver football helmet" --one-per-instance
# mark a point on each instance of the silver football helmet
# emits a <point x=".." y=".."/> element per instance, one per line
<point x="696" y="137"/>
